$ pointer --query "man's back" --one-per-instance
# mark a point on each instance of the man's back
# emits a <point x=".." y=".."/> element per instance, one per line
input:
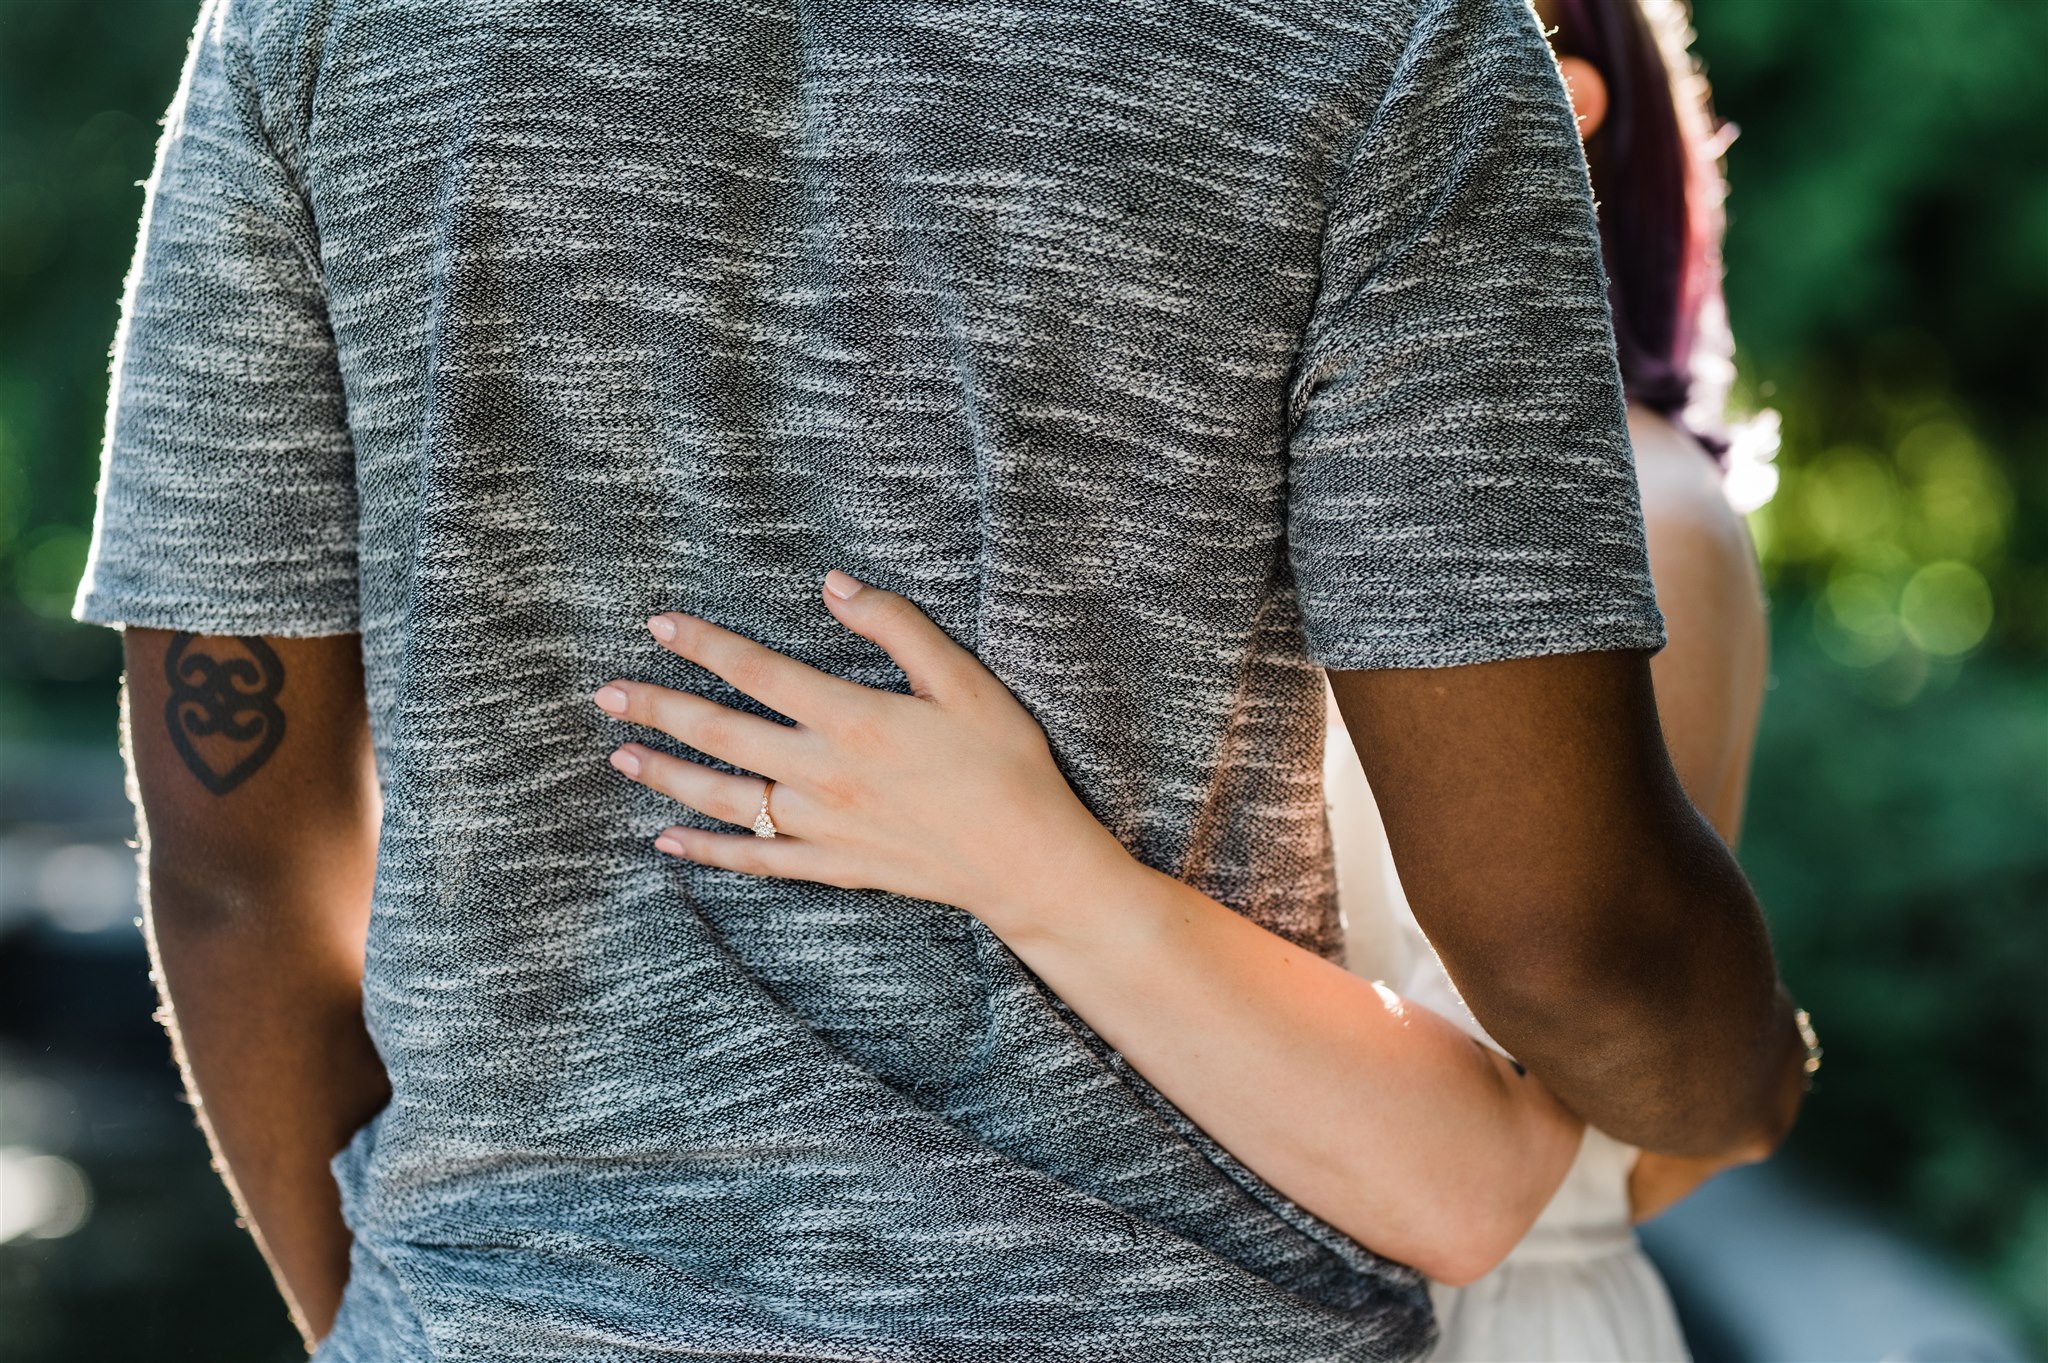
<point x="532" y="321"/>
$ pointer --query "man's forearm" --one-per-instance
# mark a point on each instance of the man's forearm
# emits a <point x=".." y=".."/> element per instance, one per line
<point x="1592" y="919"/>
<point x="267" y="1022"/>
<point x="1668" y="1028"/>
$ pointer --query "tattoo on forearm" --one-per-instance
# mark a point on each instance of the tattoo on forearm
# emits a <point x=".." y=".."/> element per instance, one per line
<point x="222" y="713"/>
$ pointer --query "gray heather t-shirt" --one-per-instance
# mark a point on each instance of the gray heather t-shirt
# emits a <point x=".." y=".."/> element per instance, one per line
<point x="1160" y="351"/>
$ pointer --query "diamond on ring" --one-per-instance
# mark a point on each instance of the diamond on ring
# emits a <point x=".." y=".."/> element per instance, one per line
<point x="764" y="827"/>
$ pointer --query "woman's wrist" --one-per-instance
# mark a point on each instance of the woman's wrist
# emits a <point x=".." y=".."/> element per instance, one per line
<point x="1083" y="892"/>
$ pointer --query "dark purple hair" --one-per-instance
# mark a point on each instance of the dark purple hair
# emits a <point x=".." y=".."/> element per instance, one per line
<point x="1656" y="166"/>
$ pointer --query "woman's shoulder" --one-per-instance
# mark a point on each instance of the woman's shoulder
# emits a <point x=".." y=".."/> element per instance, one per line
<point x="1674" y="472"/>
<point x="1685" y="503"/>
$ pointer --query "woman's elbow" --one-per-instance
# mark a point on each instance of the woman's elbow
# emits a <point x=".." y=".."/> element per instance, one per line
<point x="1471" y="1246"/>
<point x="1468" y="1236"/>
<point x="1459" y="1239"/>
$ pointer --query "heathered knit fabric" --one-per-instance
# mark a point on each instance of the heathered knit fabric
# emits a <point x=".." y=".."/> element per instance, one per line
<point x="1155" y="349"/>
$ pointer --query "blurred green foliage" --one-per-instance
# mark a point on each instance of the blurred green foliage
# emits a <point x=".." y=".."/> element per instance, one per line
<point x="82" y="87"/>
<point x="1888" y="281"/>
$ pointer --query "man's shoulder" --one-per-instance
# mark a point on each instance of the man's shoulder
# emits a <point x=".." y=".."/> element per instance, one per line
<point x="275" y="48"/>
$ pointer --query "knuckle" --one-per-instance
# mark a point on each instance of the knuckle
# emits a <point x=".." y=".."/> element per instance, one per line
<point x="655" y="706"/>
<point x="654" y="768"/>
<point x="680" y="780"/>
<point x="642" y="702"/>
<point x="867" y="723"/>
<point x="836" y="786"/>
<point x="705" y="732"/>
<point x="690" y="634"/>
<point x="748" y="671"/>
<point x="865" y="729"/>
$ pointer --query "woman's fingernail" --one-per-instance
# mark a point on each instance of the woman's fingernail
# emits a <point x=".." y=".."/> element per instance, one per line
<point x="611" y="699"/>
<point x="667" y="843"/>
<point x="626" y="761"/>
<point x="663" y="627"/>
<point x="842" y="586"/>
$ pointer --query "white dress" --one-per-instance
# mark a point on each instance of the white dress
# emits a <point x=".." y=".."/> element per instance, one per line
<point x="1578" y="1286"/>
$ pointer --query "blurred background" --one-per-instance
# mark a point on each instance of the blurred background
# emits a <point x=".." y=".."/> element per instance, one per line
<point x="1888" y="287"/>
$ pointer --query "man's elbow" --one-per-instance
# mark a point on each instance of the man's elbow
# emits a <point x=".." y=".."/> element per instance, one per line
<point x="1664" y="1087"/>
<point x="1653" y="1052"/>
<point x="190" y="894"/>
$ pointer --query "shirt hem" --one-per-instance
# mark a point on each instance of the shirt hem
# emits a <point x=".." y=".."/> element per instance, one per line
<point x="117" y="612"/>
<point x="1492" y="647"/>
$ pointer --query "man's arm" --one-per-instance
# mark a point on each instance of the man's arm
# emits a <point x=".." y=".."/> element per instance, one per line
<point x="1592" y="919"/>
<point x="258" y="811"/>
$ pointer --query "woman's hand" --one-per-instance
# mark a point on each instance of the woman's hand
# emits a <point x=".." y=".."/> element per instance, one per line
<point x="948" y="794"/>
<point x="1658" y="1182"/>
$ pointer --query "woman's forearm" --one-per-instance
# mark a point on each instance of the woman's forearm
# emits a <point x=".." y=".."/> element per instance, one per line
<point x="1381" y="1117"/>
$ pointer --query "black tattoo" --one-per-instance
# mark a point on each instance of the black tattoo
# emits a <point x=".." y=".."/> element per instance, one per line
<point x="230" y="702"/>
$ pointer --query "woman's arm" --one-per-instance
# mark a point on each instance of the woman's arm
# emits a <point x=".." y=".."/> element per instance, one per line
<point x="1709" y="678"/>
<point x="1378" y="1115"/>
<point x="1383" y="1119"/>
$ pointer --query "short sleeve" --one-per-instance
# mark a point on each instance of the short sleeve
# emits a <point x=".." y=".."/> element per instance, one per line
<point x="1461" y="487"/>
<point x="227" y="492"/>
